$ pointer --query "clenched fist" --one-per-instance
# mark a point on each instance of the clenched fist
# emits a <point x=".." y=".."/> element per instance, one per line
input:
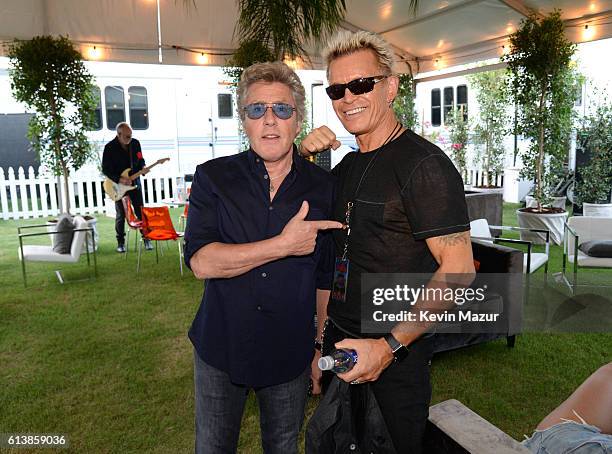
<point x="318" y="140"/>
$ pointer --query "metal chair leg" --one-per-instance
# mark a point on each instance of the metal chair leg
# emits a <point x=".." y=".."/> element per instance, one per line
<point x="139" y="254"/>
<point x="23" y="270"/>
<point x="180" y="256"/>
<point x="127" y="243"/>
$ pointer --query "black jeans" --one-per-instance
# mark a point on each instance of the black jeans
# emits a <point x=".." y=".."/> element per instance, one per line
<point x="136" y="199"/>
<point x="403" y="391"/>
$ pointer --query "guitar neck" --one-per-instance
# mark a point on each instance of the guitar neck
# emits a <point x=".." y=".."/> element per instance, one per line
<point x="140" y="172"/>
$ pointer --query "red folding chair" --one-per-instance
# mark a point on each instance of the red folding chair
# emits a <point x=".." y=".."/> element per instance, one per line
<point x="133" y="223"/>
<point x="157" y="226"/>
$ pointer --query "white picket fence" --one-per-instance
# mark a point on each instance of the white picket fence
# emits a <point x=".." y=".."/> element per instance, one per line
<point x="478" y="177"/>
<point x="37" y="194"/>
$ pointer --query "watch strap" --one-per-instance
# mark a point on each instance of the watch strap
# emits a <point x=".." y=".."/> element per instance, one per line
<point x="399" y="351"/>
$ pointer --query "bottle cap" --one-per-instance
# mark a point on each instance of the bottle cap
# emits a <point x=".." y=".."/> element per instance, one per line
<point x="326" y="363"/>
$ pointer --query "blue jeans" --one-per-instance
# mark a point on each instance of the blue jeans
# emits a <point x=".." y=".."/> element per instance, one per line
<point x="219" y="405"/>
<point x="569" y="437"/>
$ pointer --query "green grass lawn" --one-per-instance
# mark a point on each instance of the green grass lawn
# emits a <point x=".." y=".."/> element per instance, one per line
<point x="108" y="362"/>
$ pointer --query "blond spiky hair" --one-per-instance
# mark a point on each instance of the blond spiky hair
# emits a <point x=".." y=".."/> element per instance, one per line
<point x="345" y="43"/>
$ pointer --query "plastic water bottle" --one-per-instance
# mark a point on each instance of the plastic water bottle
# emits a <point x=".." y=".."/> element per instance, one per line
<point x="339" y="361"/>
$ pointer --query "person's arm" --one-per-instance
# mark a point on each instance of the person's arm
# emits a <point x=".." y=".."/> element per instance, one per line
<point x="108" y="165"/>
<point x="221" y="260"/>
<point x="140" y="161"/>
<point x="315" y="372"/>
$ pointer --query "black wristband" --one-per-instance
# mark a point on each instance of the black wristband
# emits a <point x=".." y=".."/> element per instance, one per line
<point x="317" y="345"/>
<point x="399" y="351"/>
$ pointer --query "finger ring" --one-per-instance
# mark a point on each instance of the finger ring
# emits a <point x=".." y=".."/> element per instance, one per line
<point x="355" y="382"/>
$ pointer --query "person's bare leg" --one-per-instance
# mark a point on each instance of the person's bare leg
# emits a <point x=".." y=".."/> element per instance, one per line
<point x="592" y="400"/>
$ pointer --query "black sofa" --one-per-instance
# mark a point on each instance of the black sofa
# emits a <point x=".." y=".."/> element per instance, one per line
<point x="493" y="258"/>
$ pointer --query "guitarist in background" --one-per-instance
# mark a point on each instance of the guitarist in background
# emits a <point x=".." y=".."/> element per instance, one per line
<point x="122" y="153"/>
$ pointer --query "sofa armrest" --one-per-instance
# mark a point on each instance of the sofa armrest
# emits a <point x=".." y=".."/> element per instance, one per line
<point x="496" y="258"/>
<point x="499" y="259"/>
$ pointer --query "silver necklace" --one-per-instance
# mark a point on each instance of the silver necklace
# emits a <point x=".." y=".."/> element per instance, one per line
<point x="272" y="187"/>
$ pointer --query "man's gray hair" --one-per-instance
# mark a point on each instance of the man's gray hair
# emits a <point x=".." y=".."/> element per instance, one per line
<point x="345" y="43"/>
<point x="268" y="73"/>
<point x="122" y="125"/>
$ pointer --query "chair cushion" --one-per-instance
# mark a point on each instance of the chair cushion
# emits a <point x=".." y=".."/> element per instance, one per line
<point x="597" y="248"/>
<point x="537" y="260"/>
<point x="63" y="239"/>
<point x="34" y="253"/>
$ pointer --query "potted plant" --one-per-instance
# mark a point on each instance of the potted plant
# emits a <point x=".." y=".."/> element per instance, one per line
<point x="48" y="75"/>
<point x="490" y="126"/>
<point x="543" y="86"/>
<point x="594" y="137"/>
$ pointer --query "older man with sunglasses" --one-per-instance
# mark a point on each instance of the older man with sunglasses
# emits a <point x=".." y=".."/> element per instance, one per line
<point x="403" y="202"/>
<point x="256" y="234"/>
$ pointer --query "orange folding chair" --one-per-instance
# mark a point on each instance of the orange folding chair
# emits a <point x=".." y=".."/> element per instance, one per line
<point x="157" y="226"/>
<point x="133" y="223"/>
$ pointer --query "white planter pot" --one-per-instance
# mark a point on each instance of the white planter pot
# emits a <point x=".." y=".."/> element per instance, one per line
<point x="600" y="210"/>
<point x="92" y="222"/>
<point x="557" y="202"/>
<point x="554" y="222"/>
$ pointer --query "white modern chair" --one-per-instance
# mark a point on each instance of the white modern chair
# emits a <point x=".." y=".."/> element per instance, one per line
<point x="36" y="253"/>
<point x="480" y="230"/>
<point x="582" y="229"/>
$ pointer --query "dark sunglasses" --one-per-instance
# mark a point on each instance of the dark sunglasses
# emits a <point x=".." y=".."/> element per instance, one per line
<point x="257" y="110"/>
<point x="357" y="87"/>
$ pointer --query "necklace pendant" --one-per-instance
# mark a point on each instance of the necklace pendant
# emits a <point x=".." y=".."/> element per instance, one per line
<point x="272" y="188"/>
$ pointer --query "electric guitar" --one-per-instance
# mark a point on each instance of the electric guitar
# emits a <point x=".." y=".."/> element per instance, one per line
<point x="117" y="190"/>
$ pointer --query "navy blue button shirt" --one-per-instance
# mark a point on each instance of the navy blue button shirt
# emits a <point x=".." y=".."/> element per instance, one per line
<point x="258" y="326"/>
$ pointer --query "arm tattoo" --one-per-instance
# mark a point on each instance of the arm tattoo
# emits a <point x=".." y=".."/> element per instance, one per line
<point x="455" y="238"/>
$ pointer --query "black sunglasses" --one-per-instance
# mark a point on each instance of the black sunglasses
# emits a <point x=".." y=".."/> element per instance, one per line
<point x="257" y="110"/>
<point x="357" y="87"/>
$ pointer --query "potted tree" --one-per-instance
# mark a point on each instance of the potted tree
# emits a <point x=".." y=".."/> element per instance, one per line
<point x="543" y="86"/>
<point x="48" y="75"/>
<point x="490" y="126"/>
<point x="595" y="138"/>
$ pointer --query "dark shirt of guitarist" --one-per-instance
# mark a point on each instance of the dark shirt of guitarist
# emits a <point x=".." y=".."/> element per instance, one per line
<point x="121" y="153"/>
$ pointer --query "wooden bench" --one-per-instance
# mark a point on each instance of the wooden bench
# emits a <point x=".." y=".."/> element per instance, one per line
<point x="455" y="429"/>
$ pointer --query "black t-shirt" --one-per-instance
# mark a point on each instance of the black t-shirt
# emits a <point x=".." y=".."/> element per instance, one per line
<point x="411" y="192"/>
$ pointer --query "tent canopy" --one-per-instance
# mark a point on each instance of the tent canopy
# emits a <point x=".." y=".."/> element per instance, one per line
<point x="443" y="33"/>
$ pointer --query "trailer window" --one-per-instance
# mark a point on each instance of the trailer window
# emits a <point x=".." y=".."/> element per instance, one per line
<point x="97" y="96"/>
<point x="462" y="100"/>
<point x="139" y="108"/>
<point x="224" y="105"/>
<point x="436" y="118"/>
<point x="449" y="104"/>
<point x="115" y="106"/>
